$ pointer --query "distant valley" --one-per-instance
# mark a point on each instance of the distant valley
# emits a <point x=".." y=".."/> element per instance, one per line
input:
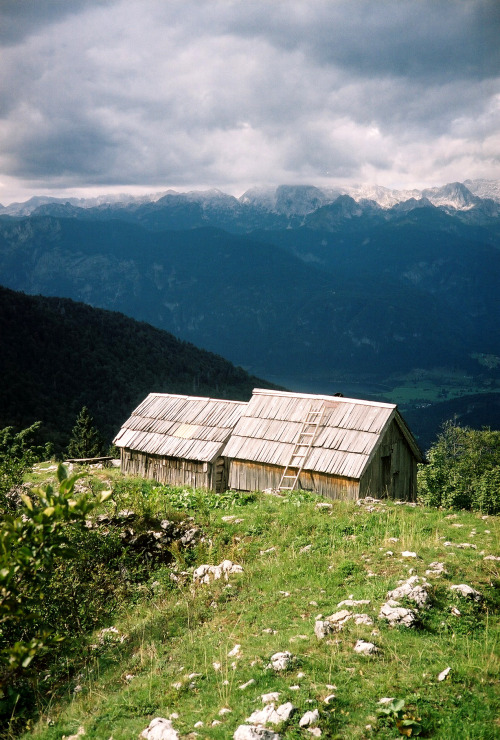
<point x="312" y="289"/>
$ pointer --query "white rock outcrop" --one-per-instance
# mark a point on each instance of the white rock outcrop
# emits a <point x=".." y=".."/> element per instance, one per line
<point x="467" y="592"/>
<point x="159" y="729"/>
<point x="252" y="732"/>
<point x="333" y="623"/>
<point x="271" y="715"/>
<point x="395" y="614"/>
<point x="281" y="661"/>
<point x="365" y="648"/>
<point x="309" y="718"/>
<point x="415" y="589"/>
<point x="206" y="573"/>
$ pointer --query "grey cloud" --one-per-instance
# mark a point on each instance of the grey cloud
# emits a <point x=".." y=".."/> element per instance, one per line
<point x="210" y="93"/>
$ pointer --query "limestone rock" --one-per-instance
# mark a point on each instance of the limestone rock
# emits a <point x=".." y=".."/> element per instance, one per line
<point x="363" y="619"/>
<point x="467" y="592"/>
<point x="251" y="732"/>
<point x="270" y="715"/>
<point x="281" y="661"/>
<point x="160" y="729"/>
<point x="205" y="573"/>
<point x="414" y="589"/>
<point x="436" y="569"/>
<point x="309" y="718"/>
<point x="396" y="615"/>
<point x="444" y="673"/>
<point x="365" y="648"/>
<point x="333" y="623"/>
<point x="353" y="602"/>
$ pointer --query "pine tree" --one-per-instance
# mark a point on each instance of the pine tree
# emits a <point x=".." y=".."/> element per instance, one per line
<point x="85" y="439"/>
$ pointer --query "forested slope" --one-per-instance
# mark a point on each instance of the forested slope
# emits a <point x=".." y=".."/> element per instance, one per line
<point x="57" y="356"/>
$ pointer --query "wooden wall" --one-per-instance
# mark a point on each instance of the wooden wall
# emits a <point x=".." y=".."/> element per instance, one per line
<point x="392" y="473"/>
<point x="247" y="476"/>
<point x="174" y="471"/>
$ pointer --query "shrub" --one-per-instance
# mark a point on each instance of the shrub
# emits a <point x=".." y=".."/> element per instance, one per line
<point x="463" y="470"/>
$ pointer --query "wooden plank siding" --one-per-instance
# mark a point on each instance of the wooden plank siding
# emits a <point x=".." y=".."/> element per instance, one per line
<point x="247" y="476"/>
<point x="173" y="471"/>
<point x="392" y="471"/>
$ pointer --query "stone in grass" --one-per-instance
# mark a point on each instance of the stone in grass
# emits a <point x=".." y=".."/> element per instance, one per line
<point x="467" y="592"/>
<point x="414" y="589"/>
<point x="492" y="557"/>
<point x="309" y="718"/>
<point x="159" y="729"/>
<point x="270" y="715"/>
<point x="205" y="573"/>
<point x="272" y="696"/>
<point x="363" y="619"/>
<point x="397" y="615"/>
<point x="365" y="648"/>
<point x="409" y="554"/>
<point x="353" y="602"/>
<point x="444" y="673"/>
<point x="281" y="661"/>
<point x="436" y="569"/>
<point x="251" y="732"/>
<point x="333" y="623"/>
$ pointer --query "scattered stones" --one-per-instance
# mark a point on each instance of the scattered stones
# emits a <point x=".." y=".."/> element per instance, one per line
<point x="315" y="731"/>
<point x="365" y="648"/>
<point x="397" y="615"/>
<point x="444" y="673"/>
<point x="269" y="549"/>
<point x="323" y="505"/>
<point x="272" y="696"/>
<point x="198" y="724"/>
<point x="393" y="539"/>
<point x="250" y="732"/>
<point x="353" y="602"/>
<point x="235" y="652"/>
<point x="309" y="718"/>
<point x="467" y="592"/>
<point x="386" y="700"/>
<point x="363" y="619"/>
<point x="159" y="729"/>
<point x="328" y="699"/>
<point x="409" y="554"/>
<point x="247" y="684"/>
<point x="206" y="573"/>
<point x="491" y="557"/>
<point x="81" y="731"/>
<point x="436" y="569"/>
<point x="224" y="710"/>
<point x="270" y="715"/>
<point x="414" y="589"/>
<point x="281" y="661"/>
<point x="456" y="612"/>
<point x="306" y="548"/>
<point x="333" y="623"/>
<point x="466" y="546"/>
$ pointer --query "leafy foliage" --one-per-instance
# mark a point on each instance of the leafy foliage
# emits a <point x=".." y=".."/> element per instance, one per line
<point x="31" y="545"/>
<point x="85" y="438"/>
<point x="463" y="470"/>
<point x="17" y="455"/>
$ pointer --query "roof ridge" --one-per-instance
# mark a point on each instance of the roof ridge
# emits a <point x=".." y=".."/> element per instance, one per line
<point x="194" y="398"/>
<point x="322" y="397"/>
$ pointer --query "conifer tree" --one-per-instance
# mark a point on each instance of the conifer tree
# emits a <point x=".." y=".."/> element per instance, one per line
<point x="85" y="439"/>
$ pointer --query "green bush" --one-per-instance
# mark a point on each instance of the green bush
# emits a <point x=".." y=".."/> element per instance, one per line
<point x="463" y="470"/>
<point x="17" y="455"/>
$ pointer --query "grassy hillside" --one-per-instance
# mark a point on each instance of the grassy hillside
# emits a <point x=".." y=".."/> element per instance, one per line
<point x="189" y="651"/>
<point x="57" y="356"/>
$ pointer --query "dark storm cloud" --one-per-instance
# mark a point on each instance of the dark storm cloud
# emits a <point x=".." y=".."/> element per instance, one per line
<point x="216" y="93"/>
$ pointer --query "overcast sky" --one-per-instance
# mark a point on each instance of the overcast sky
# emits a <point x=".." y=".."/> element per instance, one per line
<point x="143" y="95"/>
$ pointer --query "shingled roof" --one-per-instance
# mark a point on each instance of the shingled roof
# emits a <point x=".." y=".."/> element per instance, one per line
<point x="346" y="440"/>
<point x="185" y="427"/>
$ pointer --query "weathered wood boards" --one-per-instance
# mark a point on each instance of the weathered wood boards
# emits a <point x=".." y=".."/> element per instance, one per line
<point x="360" y="448"/>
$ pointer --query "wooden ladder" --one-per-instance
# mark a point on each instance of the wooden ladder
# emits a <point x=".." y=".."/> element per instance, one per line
<point x="302" y="445"/>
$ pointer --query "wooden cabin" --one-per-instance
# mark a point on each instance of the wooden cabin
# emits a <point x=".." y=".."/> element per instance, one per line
<point x="179" y="440"/>
<point x="342" y="448"/>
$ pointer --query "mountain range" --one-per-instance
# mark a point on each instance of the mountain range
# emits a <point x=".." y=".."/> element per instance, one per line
<point x="313" y="289"/>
